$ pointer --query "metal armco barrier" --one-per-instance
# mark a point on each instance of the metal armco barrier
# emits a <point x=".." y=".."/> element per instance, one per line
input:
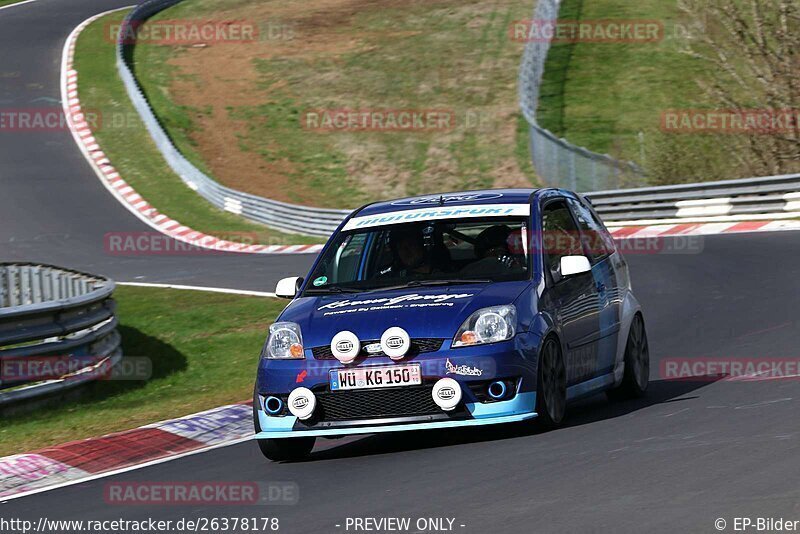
<point x="53" y="320"/>
<point x="753" y="196"/>
<point x="281" y="215"/>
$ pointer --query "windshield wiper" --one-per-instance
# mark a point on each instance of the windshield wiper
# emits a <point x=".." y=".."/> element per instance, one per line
<point x="331" y="289"/>
<point x="448" y="282"/>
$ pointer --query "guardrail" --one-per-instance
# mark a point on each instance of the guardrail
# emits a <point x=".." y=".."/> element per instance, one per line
<point x="558" y="162"/>
<point x="753" y="196"/>
<point x="281" y="215"/>
<point x="57" y="330"/>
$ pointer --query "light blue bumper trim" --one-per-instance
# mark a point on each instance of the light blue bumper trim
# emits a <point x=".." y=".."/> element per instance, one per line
<point x="277" y="434"/>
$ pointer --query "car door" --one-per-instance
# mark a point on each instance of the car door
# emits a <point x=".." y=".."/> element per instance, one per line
<point x="573" y="300"/>
<point x="599" y="247"/>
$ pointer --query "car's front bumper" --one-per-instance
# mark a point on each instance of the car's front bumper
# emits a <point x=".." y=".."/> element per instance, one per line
<point x="512" y="360"/>
<point x="278" y="434"/>
<point x="520" y="408"/>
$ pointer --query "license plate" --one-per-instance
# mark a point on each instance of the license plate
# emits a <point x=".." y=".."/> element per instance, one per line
<point x="375" y="377"/>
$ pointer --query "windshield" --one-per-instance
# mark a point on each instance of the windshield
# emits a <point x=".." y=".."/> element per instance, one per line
<point x="430" y="253"/>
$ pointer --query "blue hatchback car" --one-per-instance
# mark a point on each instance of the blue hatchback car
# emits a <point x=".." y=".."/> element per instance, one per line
<point x="453" y="310"/>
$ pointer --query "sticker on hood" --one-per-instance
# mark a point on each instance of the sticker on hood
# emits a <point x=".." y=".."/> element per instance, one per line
<point x="413" y="300"/>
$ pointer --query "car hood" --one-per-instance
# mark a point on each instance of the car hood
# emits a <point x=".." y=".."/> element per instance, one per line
<point x="434" y="312"/>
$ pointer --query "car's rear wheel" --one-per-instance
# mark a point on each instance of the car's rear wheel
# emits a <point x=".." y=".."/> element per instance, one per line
<point x="637" y="363"/>
<point x="287" y="449"/>
<point x="551" y="393"/>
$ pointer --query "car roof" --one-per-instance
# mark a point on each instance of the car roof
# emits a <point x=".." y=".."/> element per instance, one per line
<point x="458" y="198"/>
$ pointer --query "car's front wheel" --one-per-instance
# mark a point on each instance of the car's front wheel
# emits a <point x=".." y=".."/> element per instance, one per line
<point x="637" y="364"/>
<point x="551" y="393"/>
<point x="287" y="449"/>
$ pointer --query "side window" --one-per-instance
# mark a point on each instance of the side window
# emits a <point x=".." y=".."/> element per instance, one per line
<point x="560" y="236"/>
<point x="597" y="244"/>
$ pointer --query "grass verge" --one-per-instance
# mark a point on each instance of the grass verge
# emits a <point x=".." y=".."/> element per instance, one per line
<point x="251" y="97"/>
<point x="204" y="349"/>
<point x="123" y="137"/>
<point x="604" y="95"/>
<point x="609" y="97"/>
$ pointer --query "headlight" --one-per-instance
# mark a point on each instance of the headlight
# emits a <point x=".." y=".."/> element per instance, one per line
<point x="487" y="325"/>
<point x="285" y="342"/>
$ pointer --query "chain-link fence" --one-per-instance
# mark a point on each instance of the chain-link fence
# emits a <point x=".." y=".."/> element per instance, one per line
<point x="558" y="162"/>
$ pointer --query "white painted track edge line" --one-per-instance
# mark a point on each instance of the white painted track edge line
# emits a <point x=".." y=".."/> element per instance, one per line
<point x="201" y="288"/>
<point x="17" y="4"/>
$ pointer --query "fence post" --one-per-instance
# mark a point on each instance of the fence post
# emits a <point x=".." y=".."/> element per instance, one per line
<point x="573" y="179"/>
<point x="3" y="292"/>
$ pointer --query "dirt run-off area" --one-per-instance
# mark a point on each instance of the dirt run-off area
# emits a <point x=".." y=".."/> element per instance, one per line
<point x="338" y="102"/>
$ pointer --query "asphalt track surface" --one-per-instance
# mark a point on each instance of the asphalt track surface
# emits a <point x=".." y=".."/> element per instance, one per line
<point x="675" y="461"/>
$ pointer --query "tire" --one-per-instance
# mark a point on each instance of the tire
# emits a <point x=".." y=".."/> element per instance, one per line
<point x="637" y="364"/>
<point x="287" y="449"/>
<point x="551" y="390"/>
<point x="280" y="450"/>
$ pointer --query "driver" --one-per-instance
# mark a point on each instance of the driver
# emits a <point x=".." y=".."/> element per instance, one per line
<point x="408" y="248"/>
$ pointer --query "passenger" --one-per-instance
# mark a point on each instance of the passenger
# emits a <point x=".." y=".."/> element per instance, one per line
<point x="492" y="252"/>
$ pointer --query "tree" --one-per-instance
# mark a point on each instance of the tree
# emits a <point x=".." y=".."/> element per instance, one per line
<point x="753" y="49"/>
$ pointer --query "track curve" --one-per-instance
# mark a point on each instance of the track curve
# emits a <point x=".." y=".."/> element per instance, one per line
<point x="54" y="208"/>
<point x="687" y="454"/>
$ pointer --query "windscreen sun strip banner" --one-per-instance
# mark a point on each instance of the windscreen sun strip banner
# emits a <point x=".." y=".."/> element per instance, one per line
<point x="438" y="213"/>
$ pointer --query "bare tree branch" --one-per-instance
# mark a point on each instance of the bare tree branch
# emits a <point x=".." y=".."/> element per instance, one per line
<point x="751" y="47"/>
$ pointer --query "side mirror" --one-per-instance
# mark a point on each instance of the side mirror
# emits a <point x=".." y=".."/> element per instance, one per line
<point x="287" y="288"/>
<point x="572" y="265"/>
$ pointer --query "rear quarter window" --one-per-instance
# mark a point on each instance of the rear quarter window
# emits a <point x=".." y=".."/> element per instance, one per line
<point x="596" y="240"/>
